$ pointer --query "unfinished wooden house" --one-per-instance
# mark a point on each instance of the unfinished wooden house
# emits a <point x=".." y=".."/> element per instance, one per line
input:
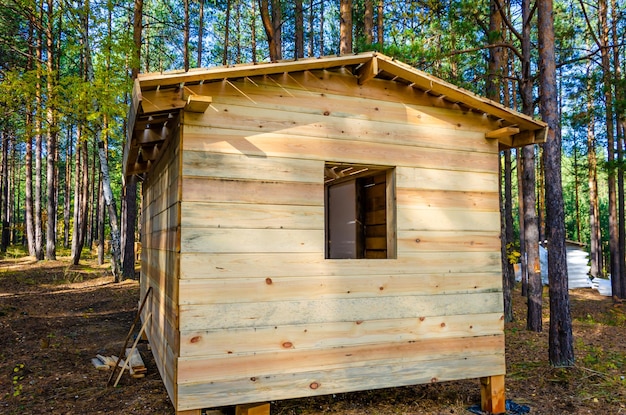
<point x="320" y="226"/>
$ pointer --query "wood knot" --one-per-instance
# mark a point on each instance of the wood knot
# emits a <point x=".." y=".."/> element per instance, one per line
<point x="326" y="113"/>
<point x="422" y="318"/>
<point x="196" y="339"/>
<point x="288" y="345"/>
<point x="359" y="322"/>
<point x="253" y="379"/>
<point x="381" y="288"/>
<point x="443" y="325"/>
<point x="418" y="240"/>
<point x="314" y="385"/>
<point x="268" y="281"/>
<point x="501" y="317"/>
<point x="434" y="380"/>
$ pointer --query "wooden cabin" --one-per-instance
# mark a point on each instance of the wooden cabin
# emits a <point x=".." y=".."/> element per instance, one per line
<point x="319" y="226"/>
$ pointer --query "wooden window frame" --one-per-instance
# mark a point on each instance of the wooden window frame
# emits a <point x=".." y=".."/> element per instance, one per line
<point x="340" y="173"/>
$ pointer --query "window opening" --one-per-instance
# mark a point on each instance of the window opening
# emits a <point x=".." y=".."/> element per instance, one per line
<point x="360" y="211"/>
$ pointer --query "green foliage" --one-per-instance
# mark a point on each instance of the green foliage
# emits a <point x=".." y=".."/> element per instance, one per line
<point x="18" y="377"/>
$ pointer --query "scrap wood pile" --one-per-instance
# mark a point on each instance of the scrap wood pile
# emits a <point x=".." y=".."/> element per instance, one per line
<point x="137" y="368"/>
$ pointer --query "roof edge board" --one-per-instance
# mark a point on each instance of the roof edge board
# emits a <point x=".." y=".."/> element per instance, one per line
<point x="431" y="84"/>
<point x="153" y="80"/>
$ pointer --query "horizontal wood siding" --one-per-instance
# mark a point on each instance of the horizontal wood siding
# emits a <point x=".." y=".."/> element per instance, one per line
<point x="160" y="261"/>
<point x="262" y="314"/>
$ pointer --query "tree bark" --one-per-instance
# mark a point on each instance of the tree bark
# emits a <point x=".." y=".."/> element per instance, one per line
<point x="271" y="24"/>
<point x="345" y="27"/>
<point x="51" y="232"/>
<point x="201" y="31"/>
<point x="616" y="272"/>
<point x="128" y="264"/>
<point x="39" y="254"/>
<point x="380" y="30"/>
<point x="531" y="239"/>
<point x="368" y="22"/>
<point x="4" y="206"/>
<point x="299" y="44"/>
<point x="186" y="35"/>
<point x="110" y="203"/>
<point x="137" y="28"/>
<point x="561" y="342"/>
<point x="595" y="244"/>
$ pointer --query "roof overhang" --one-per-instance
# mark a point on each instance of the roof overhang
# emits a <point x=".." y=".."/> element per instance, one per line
<point x="151" y="125"/>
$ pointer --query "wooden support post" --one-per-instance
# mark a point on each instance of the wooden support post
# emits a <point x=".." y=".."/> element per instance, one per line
<point x="191" y="412"/>
<point x="253" y="409"/>
<point x="492" y="399"/>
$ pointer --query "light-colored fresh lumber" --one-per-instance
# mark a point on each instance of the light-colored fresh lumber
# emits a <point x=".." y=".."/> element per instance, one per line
<point x="251" y="240"/>
<point x="278" y="313"/>
<point x="202" y="265"/>
<point x="197" y="103"/>
<point x="447" y="220"/>
<point x="282" y="143"/>
<point x="237" y="166"/>
<point x="198" y="215"/>
<point x="253" y="409"/>
<point x="492" y="394"/>
<point x="276" y="288"/>
<point x="244" y="191"/>
<point x="443" y="179"/>
<point x="502" y="132"/>
<point x="305" y="336"/>
<point x="373" y="375"/>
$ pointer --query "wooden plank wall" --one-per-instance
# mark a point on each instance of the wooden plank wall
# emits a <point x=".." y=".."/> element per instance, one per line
<point x="160" y="260"/>
<point x="263" y="315"/>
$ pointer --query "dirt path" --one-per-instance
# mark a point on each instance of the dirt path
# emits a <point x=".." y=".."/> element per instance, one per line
<point x="55" y="318"/>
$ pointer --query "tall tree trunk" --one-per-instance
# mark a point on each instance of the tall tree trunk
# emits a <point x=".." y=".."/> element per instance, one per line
<point x="322" y="44"/>
<point x="110" y="203"/>
<point x="28" y="202"/>
<point x="379" y="29"/>
<point x="101" y="219"/>
<point x="227" y="34"/>
<point x="83" y="206"/>
<point x="201" y="31"/>
<point x="368" y="22"/>
<point x="4" y="205"/>
<point x="299" y="29"/>
<point x="577" y="194"/>
<point x="51" y="232"/>
<point x="253" y="48"/>
<point x="311" y="32"/>
<point x="137" y="26"/>
<point x="29" y="120"/>
<point x="619" y="135"/>
<point x="186" y="36"/>
<point x="561" y="342"/>
<point x="505" y="206"/>
<point x="345" y="27"/>
<point x="39" y="254"/>
<point x="531" y="221"/>
<point x="128" y="258"/>
<point x="77" y="195"/>
<point x="616" y="274"/>
<point x="272" y="22"/>
<point x="595" y="244"/>
<point x="277" y="21"/>
<point x="68" y="187"/>
<point x="531" y="239"/>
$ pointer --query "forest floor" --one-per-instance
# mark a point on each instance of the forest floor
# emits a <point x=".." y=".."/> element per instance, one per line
<point x="54" y="318"/>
